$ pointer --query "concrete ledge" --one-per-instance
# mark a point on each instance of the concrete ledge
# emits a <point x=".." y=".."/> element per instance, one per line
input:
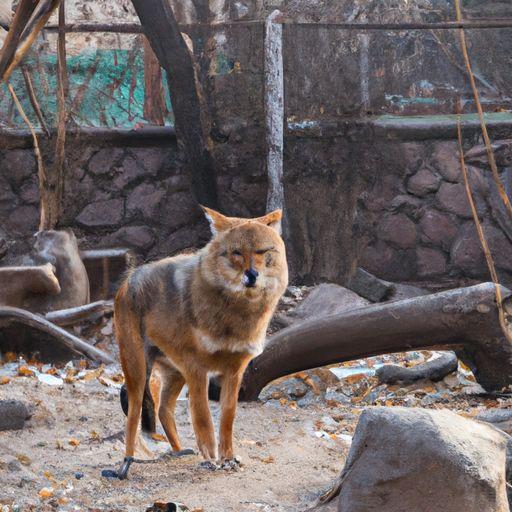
<point x="146" y="136"/>
<point x="400" y="127"/>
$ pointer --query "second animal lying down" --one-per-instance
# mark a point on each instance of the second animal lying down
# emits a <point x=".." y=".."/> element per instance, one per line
<point x="198" y="314"/>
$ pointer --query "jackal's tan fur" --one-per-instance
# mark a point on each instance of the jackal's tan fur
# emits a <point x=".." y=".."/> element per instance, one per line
<point x="199" y="314"/>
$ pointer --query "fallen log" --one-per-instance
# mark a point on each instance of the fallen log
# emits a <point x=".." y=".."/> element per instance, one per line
<point x="434" y="370"/>
<point x="33" y="336"/>
<point x="71" y="316"/>
<point x="464" y="320"/>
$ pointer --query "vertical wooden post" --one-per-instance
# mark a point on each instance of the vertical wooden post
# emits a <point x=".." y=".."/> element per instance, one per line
<point x="51" y="194"/>
<point x="154" y="100"/>
<point x="274" y="111"/>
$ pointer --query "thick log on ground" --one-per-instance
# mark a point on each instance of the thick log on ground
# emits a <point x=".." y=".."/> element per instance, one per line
<point x="72" y="316"/>
<point x="464" y="320"/>
<point x="33" y="336"/>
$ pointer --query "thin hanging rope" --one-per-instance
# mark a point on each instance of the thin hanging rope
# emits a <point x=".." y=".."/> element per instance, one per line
<point x="40" y="163"/>
<point x="485" y="246"/>
<point x="487" y="140"/>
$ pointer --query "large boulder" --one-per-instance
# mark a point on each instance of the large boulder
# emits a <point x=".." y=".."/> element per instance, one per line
<point x="407" y="459"/>
<point x="20" y="284"/>
<point x="323" y="300"/>
<point x="60" y="248"/>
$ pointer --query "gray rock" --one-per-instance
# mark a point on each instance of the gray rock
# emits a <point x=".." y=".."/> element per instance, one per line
<point x="18" y="165"/>
<point x="438" y="228"/>
<point x="368" y="286"/>
<point x="423" y="182"/>
<point x="466" y="252"/>
<point x="13" y="414"/>
<point x="500" y="418"/>
<point x="445" y="159"/>
<point x="102" y="213"/>
<point x="139" y="237"/>
<point x="104" y="160"/>
<point x="410" y="459"/>
<point x="145" y="199"/>
<point x="327" y="299"/>
<point x="399" y="230"/>
<point x="29" y="191"/>
<point x="452" y="198"/>
<point x="431" y="262"/>
<point x="24" y="219"/>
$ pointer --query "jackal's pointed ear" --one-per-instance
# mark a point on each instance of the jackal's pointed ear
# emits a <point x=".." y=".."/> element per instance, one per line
<point x="218" y="222"/>
<point x="272" y="220"/>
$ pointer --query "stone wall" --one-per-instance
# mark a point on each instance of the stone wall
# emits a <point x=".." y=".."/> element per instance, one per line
<point x="420" y="225"/>
<point x="122" y="195"/>
<point x="136" y="197"/>
<point x="413" y="216"/>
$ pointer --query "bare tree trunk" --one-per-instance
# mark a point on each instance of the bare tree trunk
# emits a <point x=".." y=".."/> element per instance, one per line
<point x="191" y="113"/>
<point x="464" y="320"/>
<point x="51" y="194"/>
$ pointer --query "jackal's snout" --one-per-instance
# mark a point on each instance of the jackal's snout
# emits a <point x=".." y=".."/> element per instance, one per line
<point x="250" y="276"/>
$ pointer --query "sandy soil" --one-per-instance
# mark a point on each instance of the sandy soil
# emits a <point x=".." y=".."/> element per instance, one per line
<point x="284" y="463"/>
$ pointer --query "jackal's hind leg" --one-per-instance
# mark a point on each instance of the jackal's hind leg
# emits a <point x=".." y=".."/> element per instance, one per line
<point x="172" y="384"/>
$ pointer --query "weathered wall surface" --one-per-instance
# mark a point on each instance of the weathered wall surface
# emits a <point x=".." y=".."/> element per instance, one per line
<point x="351" y="173"/>
<point x="413" y="215"/>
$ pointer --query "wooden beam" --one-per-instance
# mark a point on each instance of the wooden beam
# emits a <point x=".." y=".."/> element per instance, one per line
<point x="135" y="28"/>
<point x="274" y="111"/>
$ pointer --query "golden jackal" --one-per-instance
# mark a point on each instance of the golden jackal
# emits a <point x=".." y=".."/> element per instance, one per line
<point x="198" y="314"/>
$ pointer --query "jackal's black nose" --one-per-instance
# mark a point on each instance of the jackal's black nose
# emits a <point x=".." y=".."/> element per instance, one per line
<point x="250" y="277"/>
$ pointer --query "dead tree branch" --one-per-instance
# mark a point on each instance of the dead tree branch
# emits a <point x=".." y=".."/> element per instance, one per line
<point x="33" y="100"/>
<point x="26" y="27"/>
<point x="465" y="320"/>
<point x="11" y="42"/>
<point x="23" y="332"/>
<point x="72" y="316"/>
<point x="41" y="171"/>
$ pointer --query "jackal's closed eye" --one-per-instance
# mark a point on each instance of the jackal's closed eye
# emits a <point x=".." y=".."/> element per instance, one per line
<point x="236" y="253"/>
<point x="263" y="251"/>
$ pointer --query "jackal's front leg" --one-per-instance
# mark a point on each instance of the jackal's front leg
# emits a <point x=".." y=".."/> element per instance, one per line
<point x="200" y="412"/>
<point x="228" y="401"/>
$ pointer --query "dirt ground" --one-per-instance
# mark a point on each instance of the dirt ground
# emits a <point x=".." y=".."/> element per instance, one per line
<point x="292" y="444"/>
<point x="74" y="430"/>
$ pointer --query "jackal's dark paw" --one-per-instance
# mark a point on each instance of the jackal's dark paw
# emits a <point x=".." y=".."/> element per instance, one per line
<point x="209" y="465"/>
<point x="233" y="464"/>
